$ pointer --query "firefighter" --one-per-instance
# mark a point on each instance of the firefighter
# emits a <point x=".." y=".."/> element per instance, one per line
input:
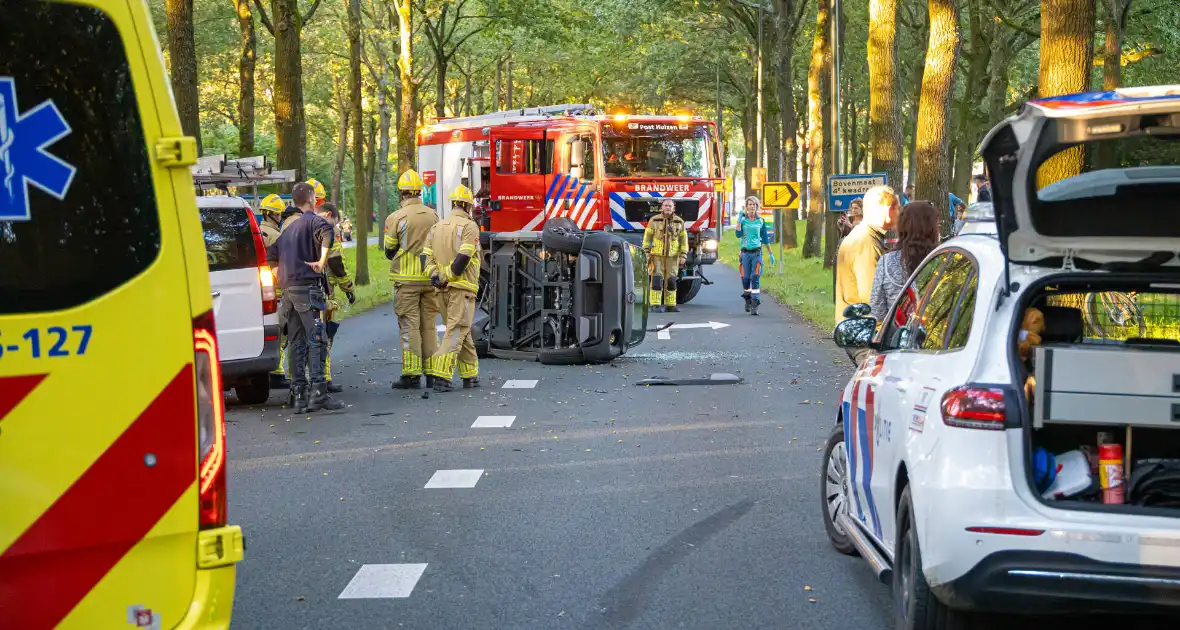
<point x="666" y="243"/>
<point x="272" y="222"/>
<point x="272" y="210"/>
<point x="339" y="281"/>
<point x="320" y="194"/>
<point x="452" y="262"/>
<point x="416" y="303"/>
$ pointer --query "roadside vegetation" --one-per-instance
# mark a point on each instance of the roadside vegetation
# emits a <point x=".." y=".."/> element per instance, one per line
<point x="379" y="291"/>
<point x="803" y="284"/>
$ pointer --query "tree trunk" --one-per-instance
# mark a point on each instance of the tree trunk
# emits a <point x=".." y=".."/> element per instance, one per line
<point x="288" y="88"/>
<point x="1067" y="52"/>
<point x="774" y="144"/>
<point x="804" y="158"/>
<point x="406" y="140"/>
<point x="342" y="106"/>
<point x="749" y="139"/>
<point x="938" y="82"/>
<point x="1112" y="64"/>
<point x="499" y="85"/>
<point x="182" y="57"/>
<point x="818" y="80"/>
<point x="786" y="110"/>
<point x="381" y="168"/>
<point x="440" y="87"/>
<point x="362" y="204"/>
<point x="467" y="90"/>
<point x="885" y="123"/>
<point x="508" y="86"/>
<point x="246" y="61"/>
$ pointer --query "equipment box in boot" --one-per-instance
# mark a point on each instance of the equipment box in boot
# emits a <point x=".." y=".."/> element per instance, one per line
<point x="1107" y="384"/>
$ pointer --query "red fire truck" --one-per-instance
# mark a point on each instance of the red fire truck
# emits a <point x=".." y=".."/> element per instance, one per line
<point x="601" y="172"/>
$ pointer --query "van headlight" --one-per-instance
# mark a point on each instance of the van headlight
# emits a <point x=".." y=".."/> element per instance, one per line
<point x="710" y="245"/>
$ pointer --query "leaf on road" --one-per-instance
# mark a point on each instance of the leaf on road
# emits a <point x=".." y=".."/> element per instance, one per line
<point x="806" y="402"/>
<point x="300" y="598"/>
<point x="807" y="588"/>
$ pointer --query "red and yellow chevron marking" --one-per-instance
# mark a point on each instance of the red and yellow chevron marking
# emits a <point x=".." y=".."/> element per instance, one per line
<point x="103" y="514"/>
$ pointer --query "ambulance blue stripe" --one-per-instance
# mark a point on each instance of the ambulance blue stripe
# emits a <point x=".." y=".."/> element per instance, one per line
<point x="556" y="180"/>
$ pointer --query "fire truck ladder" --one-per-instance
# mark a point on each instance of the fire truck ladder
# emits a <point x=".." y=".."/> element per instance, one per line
<point x="527" y="113"/>
<point x="215" y="172"/>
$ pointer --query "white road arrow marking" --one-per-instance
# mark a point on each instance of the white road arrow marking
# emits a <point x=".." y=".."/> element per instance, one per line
<point x="713" y="325"/>
<point x="665" y="334"/>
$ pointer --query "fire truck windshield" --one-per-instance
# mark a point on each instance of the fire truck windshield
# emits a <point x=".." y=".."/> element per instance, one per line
<point x="642" y="149"/>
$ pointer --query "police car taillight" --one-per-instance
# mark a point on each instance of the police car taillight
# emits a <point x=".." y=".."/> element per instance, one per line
<point x="971" y="407"/>
<point x="210" y="423"/>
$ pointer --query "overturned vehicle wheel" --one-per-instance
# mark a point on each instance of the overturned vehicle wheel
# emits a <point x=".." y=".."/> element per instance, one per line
<point x="561" y="296"/>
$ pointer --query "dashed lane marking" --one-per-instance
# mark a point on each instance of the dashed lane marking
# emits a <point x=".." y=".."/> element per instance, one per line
<point x="383" y="581"/>
<point x="454" y="479"/>
<point x="493" y="422"/>
<point x="521" y="384"/>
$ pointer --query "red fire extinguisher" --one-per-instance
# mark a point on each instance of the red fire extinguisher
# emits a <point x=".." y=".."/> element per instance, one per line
<point x="1110" y="473"/>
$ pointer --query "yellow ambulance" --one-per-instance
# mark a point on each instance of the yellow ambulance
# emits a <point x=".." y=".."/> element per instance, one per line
<point x="112" y="436"/>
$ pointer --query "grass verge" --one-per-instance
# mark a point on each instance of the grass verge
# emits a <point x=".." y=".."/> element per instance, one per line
<point x="379" y="291"/>
<point x="801" y="284"/>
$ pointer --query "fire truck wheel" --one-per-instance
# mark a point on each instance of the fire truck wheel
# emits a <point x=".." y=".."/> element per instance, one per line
<point x="561" y="356"/>
<point x="561" y="234"/>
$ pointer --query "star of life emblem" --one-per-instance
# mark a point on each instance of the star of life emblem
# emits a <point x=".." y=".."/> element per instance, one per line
<point x="24" y="157"/>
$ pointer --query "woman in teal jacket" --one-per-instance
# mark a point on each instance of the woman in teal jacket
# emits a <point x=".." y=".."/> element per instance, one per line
<point x="752" y="234"/>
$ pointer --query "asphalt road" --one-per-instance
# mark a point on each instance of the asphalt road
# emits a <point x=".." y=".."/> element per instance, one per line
<point x="603" y="505"/>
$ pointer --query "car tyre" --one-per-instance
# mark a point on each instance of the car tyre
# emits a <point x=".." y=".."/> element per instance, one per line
<point x="915" y="606"/>
<point x="561" y="234"/>
<point x="254" y="390"/>
<point x="832" y="490"/>
<point x="686" y="290"/>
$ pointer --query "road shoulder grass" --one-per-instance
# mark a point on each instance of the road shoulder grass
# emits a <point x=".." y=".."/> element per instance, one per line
<point x="379" y="291"/>
<point x="803" y="285"/>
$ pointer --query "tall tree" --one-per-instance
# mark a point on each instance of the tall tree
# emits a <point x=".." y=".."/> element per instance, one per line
<point x="818" y="94"/>
<point x="788" y="20"/>
<point x="363" y="205"/>
<point x="442" y="27"/>
<point x="290" y="123"/>
<point x="343" y="108"/>
<point x="247" y="58"/>
<point x="1067" y="53"/>
<point x="406" y="139"/>
<point x="182" y="58"/>
<point x="1116" y="28"/>
<point x="885" y="128"/>
<point x="938" y="82"/>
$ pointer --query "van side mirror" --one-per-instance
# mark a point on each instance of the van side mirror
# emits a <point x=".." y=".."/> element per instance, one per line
<point x="855" y="333"/>
<point x="857" y="311"/>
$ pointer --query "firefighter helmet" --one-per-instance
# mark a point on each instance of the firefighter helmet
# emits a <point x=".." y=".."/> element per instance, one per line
<point x="409" y="181"/>
<point x="320" y="195"/>
<point x="463" y="194"/>
<point x="273" y="203"/>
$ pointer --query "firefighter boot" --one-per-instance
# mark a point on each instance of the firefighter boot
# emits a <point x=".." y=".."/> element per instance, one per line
<point x="299" y="398"/>
<point x="671" y="309"/>
<point x="320" y="400"/>
<point x="409" y="382"/>
<point x="333" y="388"/>
<point x="443" y="385"/>
<point x="471" y="383"/>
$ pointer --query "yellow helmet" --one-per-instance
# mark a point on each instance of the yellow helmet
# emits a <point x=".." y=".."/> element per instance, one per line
<point x="273" y="203"/>
<point x="410" y="181"/>
<point x="320" y="194"/>
<point x="463" y="193"/>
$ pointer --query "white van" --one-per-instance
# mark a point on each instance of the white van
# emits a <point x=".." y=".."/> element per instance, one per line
<point x="244" y="303"/>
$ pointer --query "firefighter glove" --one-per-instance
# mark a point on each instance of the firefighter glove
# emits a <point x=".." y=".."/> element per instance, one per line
<point x="351" y="297"/>
<point x="436" y="282"/>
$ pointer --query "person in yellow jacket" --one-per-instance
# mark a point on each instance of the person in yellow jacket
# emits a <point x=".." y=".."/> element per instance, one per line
<point x="666" y="243"/>
<point x="452" y="263"/>
<point x="416" y="303"/>
<point x="339" y="281"/>
<point x="272" y="222"/>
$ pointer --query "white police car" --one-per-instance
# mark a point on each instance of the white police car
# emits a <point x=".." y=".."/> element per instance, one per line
<point x="963" y="467"/>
